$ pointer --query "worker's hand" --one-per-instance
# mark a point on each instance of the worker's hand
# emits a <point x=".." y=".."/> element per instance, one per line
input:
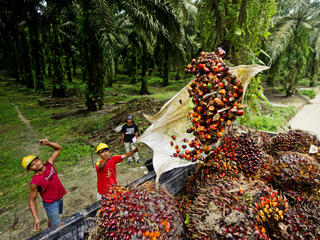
<point x="136" y="149"/>
<point x="36" y="226"/>
<point x="43" y="142"/>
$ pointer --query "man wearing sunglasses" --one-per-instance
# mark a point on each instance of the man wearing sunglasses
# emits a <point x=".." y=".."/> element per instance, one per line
<point x="106" y="168"/>
<point x="45" y="181"/>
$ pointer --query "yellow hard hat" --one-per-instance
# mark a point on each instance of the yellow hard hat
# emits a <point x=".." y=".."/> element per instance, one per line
<point x="27" y="160"/>
<point x="101" y="146"/>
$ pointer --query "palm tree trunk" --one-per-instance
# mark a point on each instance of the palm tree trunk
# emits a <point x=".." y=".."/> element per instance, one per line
<point x="57" y="80"/>
<point x="94" y="66"/>
<point x="165" y="68"/>
<point x="144" y="82"/>
<point x="27" y="71"/>
<point x="35" y="43"/>
<point x="133" y="67"/>
<point x="74" y="66"/>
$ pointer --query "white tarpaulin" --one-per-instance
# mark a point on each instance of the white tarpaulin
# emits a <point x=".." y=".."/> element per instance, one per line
<point x="172" y="119"/>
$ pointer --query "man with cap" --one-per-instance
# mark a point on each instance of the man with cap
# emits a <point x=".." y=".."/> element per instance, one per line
<point x="106" y="168"/>
<point x="129" y="136"/>
<point x="45" y="181"/>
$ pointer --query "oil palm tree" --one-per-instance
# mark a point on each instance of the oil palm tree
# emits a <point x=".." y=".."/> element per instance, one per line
<point x="100" y="36"/>
<point x="294" y="42"/>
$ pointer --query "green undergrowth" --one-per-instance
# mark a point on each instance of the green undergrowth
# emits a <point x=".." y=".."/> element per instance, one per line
<point x="271" y="119"/>
<point x="311" y="93"/>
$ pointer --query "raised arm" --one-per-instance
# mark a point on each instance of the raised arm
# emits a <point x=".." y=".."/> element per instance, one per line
<point x="57" y="149"/>
<point x="129" y="154"/>
<point x="33" y="206"/>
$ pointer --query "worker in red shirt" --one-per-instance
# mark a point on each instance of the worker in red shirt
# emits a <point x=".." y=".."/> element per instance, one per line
<point x="45" y="181"/>
<point x="106" y="167"/>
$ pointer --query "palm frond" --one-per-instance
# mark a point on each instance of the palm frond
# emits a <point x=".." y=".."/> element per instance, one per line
<point x="279" y="40"/>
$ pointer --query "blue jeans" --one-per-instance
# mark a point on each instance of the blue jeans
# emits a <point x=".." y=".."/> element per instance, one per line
<point x="53" y="210"/>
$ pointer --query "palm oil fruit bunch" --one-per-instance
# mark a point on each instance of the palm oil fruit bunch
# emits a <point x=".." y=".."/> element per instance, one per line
<point x="302" y="220"/>
<point x="270" y="212"/>
<point x="220" y="210"/>
<point x="216" y="95"/>
<point x="137" y="213"/>
<point x="293" y="171"/>
<point x="224" y="157"/>
<point x="293" y="140"/>
<point x="249" y="154"/>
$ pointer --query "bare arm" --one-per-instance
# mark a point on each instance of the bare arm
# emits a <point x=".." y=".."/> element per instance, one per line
<point x="33" y="206"/>
<point x="57" y="149"/>
<point x="122" y="139"/>
<point x="129" y="154"/>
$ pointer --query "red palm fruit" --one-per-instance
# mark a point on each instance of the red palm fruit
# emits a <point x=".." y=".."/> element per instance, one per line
<point x="219" y="134"/>
<point x="171" y="143"/>
<point x="186" y="140"/>
<point x="221" y="84"/>
<point x="181" y="155"/>
<point x="187" y="152"/>
<point x="195" y="156"/>
<point x="221" y="119"/>
<point x="184" y="146"/>
<point x="206" y="69"/>
<point x="240" y="112"/>
<point x="229" y="122"/>
<point x="213" y="126"/>
<point x="175" y="154"/>
<point x="199" y="151"/>
<point x="201" y="65"/>
<point x="235" y="95"/>
<point x="188" y="157"/>
<point x="225" y="100"/>
<point x="189" y="66"/>
<point x="219" y="64"/>
<point x="191" y="144"/>
<point x="235" y="87"/>
<point x="177" y="150"/>
<point x="176" y="146"/>
<point x="215" y="68"/>
<point x="208" y="121"/>
<point x="207" y="136"/>
<point x="202" y="53"/>
<point x="174" y="137"/>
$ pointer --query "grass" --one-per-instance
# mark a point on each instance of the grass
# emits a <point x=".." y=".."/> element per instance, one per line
<point x="270" y="122"/>
<point x="311" y="93"/>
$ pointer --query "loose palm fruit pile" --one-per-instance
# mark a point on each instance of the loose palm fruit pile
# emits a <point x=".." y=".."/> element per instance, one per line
<point x="138" y="213"/>
<point x="237" y="153"/>
<point x="216" y="95"/>
<point x="294" y="171"/>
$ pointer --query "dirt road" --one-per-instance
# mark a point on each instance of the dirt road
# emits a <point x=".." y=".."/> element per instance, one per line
<point x="308" y="118"/>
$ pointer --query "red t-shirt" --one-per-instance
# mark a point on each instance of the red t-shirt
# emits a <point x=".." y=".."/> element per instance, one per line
<point x="107" y="176"/>
<point x="51" y="187"/>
